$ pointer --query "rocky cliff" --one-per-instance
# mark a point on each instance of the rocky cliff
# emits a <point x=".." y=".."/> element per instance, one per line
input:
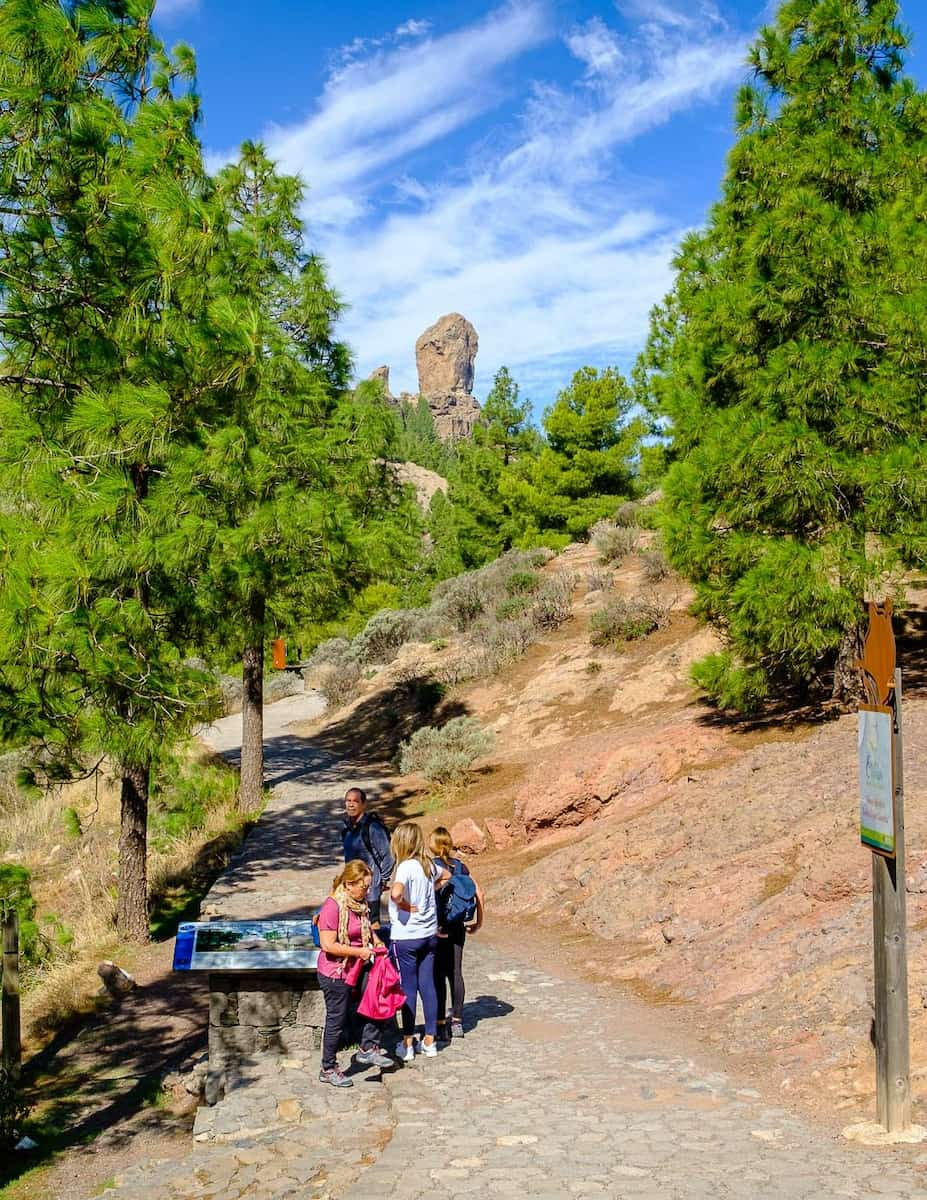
<point x="444" y="357"/>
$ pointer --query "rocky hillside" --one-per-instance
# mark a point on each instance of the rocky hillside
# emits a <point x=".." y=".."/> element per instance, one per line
<point x="704" y="864"/>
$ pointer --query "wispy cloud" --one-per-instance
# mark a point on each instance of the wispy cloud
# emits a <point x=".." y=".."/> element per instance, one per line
<point x="382" y="106"/>
<point x="537" y="235"/>
<point x="168" y="9"/>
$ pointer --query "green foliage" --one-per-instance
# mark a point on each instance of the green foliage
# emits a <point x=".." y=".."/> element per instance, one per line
<point x="585" y="469"/>
<point x="522" y="583"/>
<point x="730" y="684"/>
<point x="417" y="440"/>
<point x="184" y="792"/>
<point x="13" y="1111"/>
<point x="788" y="362"/>
<point x="623" y="620"/>
<point x="486" y="525"/>
<point x="16" y="897"/>
<point x="70" y="821"/>
<point x="445" y="754"/>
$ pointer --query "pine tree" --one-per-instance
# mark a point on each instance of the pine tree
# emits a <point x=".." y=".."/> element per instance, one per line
<point x="503" y="435"/>
<point x="789" y="360"/>
<point x="585" y="468"/>
<point x="292" y="478"/>
<point x="104" y="236"/>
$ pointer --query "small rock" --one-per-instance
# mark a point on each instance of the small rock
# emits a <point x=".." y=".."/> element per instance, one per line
<point x="290" y="1110"/>
<point x="26" y="1143"/>
<point x="516" y="1139"/>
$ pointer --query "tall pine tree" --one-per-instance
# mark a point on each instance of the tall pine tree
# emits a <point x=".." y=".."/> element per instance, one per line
<point x="586" y="466"/>
<point x="103" y="247"/>
<point x="790" y="359"/>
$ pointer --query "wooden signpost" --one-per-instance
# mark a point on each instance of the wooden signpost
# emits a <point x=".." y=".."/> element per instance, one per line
<point x="10" y="1043"/>
<point x="882" y="831"/>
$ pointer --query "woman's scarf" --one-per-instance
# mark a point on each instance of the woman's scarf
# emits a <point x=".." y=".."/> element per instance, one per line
<point x="347" y="904"/>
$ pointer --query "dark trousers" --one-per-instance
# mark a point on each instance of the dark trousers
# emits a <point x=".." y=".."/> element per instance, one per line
<point x="338" y="1005"/>
<point x="416" y="961"/>
<point x="449" y="972"/>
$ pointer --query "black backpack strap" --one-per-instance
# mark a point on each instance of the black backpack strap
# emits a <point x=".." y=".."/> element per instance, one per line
<point x="365" y="835"/>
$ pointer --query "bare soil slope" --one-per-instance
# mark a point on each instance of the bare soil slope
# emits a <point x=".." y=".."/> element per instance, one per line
<point x="702" y="863"/>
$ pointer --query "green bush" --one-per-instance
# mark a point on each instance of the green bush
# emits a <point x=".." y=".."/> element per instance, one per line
<point x="338" y="682"/>
<point x="444" y="754"/>
<point x="614" y="542"/>
<point x="183" y="793"/>
<point x="522" y="583"/>
<point x="729" y="684"/>
<point x="383" y="635"/>
<point x="13" y="1111"/>
<point x="514" y="606"/>
<point x="624" y="620"/>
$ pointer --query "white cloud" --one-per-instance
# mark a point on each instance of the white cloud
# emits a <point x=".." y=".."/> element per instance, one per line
<point x="377" y="109"/>
<point x="413" y="29"/>
<point x="597" y="46"/>
<point x="537" y="236"/>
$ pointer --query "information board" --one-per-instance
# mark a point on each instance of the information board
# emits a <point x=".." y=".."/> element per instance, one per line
<point x="246" y="946"/>
<point x="876" y="779"/>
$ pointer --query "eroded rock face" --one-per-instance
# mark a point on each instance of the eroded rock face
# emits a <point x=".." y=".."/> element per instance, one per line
<point x="381" y="375"/>
<point x="445" y="354"/>
<point x="454" y="414"/>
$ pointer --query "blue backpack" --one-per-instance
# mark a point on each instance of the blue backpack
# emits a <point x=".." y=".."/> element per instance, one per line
<point x="457" y="899"/>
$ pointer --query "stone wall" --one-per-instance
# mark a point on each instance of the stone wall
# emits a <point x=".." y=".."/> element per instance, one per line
<point x="258" y="1013"/>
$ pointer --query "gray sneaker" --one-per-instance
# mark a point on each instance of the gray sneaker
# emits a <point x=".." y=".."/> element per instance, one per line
<point x="335" y="1077"/>
<point x="373" y="1058"/>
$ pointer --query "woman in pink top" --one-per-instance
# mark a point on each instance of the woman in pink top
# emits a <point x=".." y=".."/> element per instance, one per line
<point x="347" y="941"/>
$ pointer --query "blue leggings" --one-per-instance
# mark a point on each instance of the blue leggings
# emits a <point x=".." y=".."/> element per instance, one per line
<point x="416" y="960"/>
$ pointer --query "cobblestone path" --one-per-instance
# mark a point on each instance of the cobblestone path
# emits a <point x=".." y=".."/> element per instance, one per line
<point x="559" y="1089"/>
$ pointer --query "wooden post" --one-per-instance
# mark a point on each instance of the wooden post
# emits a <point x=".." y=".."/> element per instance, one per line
<point x="9" y="1007"/>
<point x="889" y="930"/>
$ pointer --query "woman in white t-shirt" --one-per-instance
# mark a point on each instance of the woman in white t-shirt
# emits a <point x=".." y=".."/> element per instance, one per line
<point x="413" y="919"/>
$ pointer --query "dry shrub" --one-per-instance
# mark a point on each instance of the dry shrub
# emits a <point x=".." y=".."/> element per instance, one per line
<point x="624" y="620"/>
<point x="614" y="542"/>
<point x="445" y="754"/>
<point x="598" y="580"/>
<point x="554" y="603"/>
<point x="628" y="513"/>
<point x="655" y="565"/>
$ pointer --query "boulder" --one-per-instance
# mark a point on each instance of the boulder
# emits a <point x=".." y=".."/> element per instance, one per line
<point x="468" y="836"/>
<point x="116" y="982"/>
<point x="500" y="831"/>
<point x="445" y="354"/>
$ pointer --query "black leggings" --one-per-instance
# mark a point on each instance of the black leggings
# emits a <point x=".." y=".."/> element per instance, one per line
<point x="449" y="972"/>
<point x="338" y="997"/>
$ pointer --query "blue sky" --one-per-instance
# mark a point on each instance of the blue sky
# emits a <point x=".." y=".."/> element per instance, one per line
<point x="531" y="163"/>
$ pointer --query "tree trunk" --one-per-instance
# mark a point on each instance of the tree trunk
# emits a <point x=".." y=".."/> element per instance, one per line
<point x="132" y="909"/>
<point x="847" y="687"/>
<point x="251" y="787"/>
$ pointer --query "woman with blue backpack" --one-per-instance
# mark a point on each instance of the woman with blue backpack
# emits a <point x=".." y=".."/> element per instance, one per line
<point x="460" y="911"/>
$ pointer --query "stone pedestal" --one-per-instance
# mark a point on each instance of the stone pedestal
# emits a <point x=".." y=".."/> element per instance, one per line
<point x="256" y="1014"/>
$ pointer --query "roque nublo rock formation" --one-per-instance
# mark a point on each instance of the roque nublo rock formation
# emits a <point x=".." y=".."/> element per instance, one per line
<point x="444" y="356"/>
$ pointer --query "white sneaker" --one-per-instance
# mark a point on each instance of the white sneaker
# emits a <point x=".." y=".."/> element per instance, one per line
<point x="405" y="1053"/>
<point x="430" y="1051"/>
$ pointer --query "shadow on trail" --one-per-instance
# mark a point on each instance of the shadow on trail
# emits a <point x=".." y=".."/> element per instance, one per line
<point x="102" y="1075"/>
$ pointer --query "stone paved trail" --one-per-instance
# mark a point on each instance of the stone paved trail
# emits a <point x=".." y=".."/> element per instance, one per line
<point x="560" y="1088"/>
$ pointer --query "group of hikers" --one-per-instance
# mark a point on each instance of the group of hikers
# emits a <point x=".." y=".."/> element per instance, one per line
<point x="434" y="902"/>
